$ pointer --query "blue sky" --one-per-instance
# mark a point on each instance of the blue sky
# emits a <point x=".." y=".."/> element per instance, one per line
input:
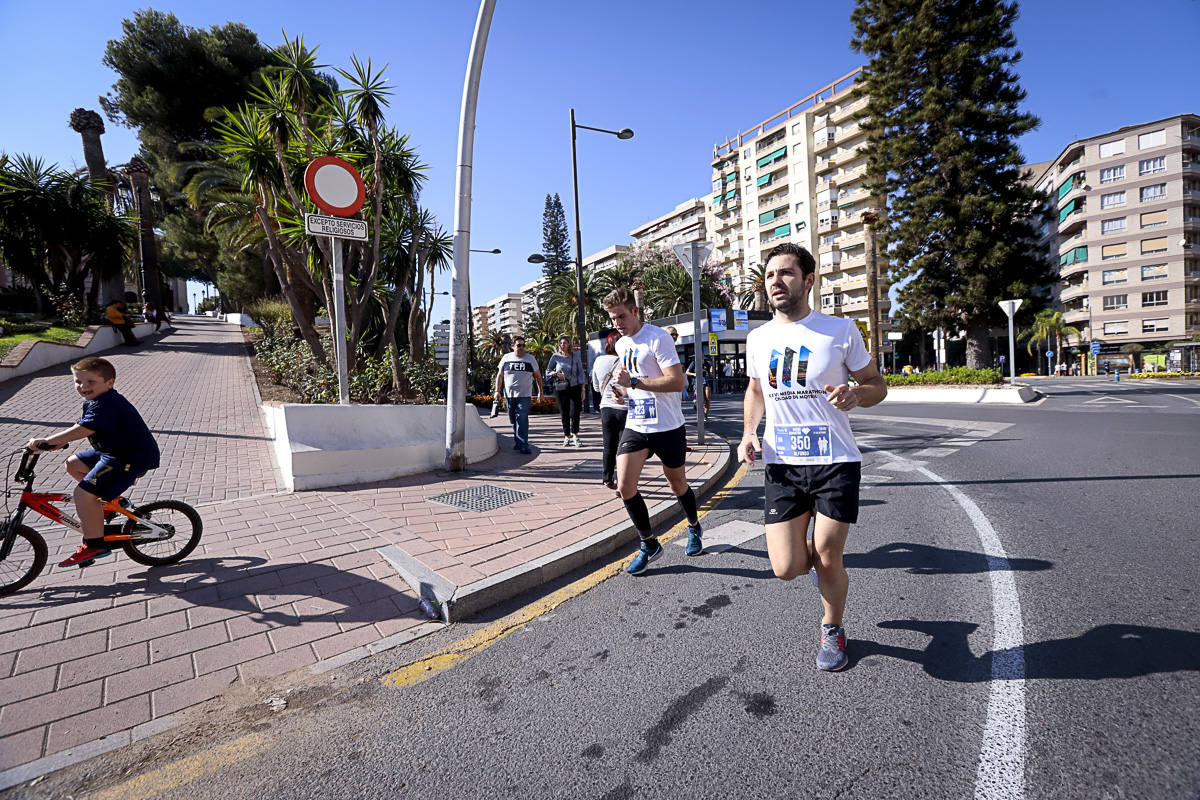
<point x="683" y="75"/>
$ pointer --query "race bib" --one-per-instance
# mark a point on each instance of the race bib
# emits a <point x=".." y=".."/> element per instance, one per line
<point x="804" y="444"/>
<point x="643" y="409"/>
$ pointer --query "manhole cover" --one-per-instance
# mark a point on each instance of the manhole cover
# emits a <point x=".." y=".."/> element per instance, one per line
<point x="481" y="498"/>
<point x="588" y="465"/>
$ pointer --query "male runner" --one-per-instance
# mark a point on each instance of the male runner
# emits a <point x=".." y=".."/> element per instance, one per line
<point x="649" y="379"/>
<point x="798" y="365"/>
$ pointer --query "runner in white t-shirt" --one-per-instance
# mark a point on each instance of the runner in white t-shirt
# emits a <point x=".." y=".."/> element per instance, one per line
<point x="799" y="365"/>
<point x="649" y="380"/>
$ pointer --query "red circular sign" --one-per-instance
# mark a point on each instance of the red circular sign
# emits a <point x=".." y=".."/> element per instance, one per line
<point x="335" y="186"/>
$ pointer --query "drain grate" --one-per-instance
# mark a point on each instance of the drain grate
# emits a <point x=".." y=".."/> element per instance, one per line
<point x="588" y="465"/>
<point x="481" y="499"/>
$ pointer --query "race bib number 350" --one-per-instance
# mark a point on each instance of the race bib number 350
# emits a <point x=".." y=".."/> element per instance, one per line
<point x="804" y="444"/>
<point x="643" y="410"/>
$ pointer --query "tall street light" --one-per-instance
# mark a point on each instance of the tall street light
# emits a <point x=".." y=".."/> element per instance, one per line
<point x="580" y="302"/>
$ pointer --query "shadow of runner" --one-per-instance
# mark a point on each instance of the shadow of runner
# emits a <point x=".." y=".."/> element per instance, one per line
<point x="1104" y="652"/>
<point x="923" y="559"/>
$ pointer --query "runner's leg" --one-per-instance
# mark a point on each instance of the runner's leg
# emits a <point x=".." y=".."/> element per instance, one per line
<point x="677" y="480"/>
<point x="829" y="541"/>
<point x="787" y="547"/>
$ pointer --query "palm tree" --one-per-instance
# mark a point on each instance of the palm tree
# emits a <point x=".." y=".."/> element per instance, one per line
<point x="669" y="290"/>
<point x="753" y="292"/>
<point x="1048" y="325"/>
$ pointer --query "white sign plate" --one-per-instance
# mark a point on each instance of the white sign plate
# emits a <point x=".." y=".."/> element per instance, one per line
<point x="337" y="227"/>
<point x="684" y="253"/>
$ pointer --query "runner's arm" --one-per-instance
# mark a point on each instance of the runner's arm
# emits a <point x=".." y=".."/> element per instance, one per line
<point x="870" y="391"/>
<point x="752" y="413"/>
<point x="671" y="380"/>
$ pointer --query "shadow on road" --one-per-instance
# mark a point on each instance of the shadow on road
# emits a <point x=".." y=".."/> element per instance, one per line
<point x="1104" y="652"/>
<point x="923" y="559"/>
<point x="1047" y="479"/>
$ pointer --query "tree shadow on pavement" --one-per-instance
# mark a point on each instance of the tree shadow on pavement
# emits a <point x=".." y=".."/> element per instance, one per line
<point x="246" y="584"/>
<point x="923" y="559"/>
<point x="1104" y="652"/>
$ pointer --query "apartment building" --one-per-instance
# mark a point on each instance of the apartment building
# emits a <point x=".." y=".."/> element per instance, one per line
<point x="504" y="313"/>
<point x="599" y="262"/>
<point x="798" y="177"/>
<point x="687" y="223"/>
<point x="1126" y="230"/>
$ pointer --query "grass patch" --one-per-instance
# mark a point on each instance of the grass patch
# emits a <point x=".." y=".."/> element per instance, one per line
<point x="54" y="333"/>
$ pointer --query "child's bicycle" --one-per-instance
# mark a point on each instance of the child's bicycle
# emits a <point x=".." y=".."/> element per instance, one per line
<point x="154" y="534"/>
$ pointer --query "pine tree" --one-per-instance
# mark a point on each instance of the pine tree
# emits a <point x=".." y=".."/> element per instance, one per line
<point x="556" y="241"/>
<point x="942" y="118"/>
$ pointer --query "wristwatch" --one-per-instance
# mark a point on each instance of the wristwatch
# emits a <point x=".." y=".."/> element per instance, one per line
<point x="633" y="381"/>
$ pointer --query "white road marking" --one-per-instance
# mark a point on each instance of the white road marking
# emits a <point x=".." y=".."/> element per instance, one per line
<point x="727" y="536"/>
<point x="1108" y="398"/>
<point x="1001" y="771"/>
<point x="1191" y="400"/>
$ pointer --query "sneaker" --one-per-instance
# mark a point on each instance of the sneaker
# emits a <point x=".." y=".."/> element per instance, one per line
<point x="694" y="546"/>
<point x="831" y="655"/>
<point x="86" y="552"/>
<point x="645" y="556"/>
<point x="566" y="441"/>
<point x="525" y="451"/>
<point x="575" y="441"/>
<point x="611" y="484"/>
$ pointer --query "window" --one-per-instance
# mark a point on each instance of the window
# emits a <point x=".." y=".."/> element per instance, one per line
<point x="1150" y="299"/>
<point x="1112" y="200"/>
<point x="1116" y="302"/>
<point x="1154" y="219"/>
<point x="1112" y="174"/>
<point x="1152" y="165"/>
<point x="1155" y="325"/>
<point x="1156" y="192"/>
<point x="1112" y="225"/>
<point x="1154" y="272"/>
<point x="1157" y="245"/>
<point x="1116" y="328"/>
<point x="1114" y="276"/>
<point x="1152" y="139"/>
<point x="1110" y="251"/>
<point x="1109" y="149"/>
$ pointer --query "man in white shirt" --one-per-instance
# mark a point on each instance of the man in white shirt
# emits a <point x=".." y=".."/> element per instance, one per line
<point x="649" y="380"/>
<point x="799" y="365"/>
<point x="515" y="377"/>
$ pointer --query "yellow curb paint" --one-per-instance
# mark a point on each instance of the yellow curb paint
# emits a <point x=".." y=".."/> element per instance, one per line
<point x="447" y="657"/>
<point x="185" y="770"/>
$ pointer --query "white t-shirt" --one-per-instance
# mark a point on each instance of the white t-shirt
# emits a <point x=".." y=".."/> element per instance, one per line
<point x="518" y="374"/>
<point x="794" y="362"/>
<point x="647" y="354"/>
<point x="602" y="368"/>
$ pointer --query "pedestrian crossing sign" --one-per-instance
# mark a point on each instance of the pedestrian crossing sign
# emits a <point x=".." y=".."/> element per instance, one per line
<point x="712" y="344"/>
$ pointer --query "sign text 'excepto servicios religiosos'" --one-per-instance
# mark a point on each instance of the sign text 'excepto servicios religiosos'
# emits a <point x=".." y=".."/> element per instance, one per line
<point x="338" y="227"/>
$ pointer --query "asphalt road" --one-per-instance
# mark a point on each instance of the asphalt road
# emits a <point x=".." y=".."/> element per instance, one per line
<point x="1023" y="623"/>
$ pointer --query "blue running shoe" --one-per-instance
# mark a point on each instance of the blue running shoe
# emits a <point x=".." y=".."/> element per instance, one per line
<point x="694" y="546"/>
<point x="831" y="655"/>
<point x="645" y="556"/>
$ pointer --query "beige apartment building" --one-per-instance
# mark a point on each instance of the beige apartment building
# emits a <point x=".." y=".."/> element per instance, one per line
<point x="687" y="223"/>
<point x="599" y="262"/>
<point x="798" y="177"/>
<point x="505" y="313"/>
<point x="1126" y="229"/>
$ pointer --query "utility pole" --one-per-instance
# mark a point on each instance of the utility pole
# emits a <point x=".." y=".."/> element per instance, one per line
<point x="869" y="218"/>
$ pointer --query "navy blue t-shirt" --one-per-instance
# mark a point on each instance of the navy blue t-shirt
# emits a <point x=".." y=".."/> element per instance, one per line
<point x="120" y="431"/>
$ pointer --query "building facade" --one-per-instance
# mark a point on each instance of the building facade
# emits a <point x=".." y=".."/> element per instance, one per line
<point x="798" y="177"/>
<point x="687" y="223"/>
<point x="1126" y="230"/>
<point x="505" y="314"/>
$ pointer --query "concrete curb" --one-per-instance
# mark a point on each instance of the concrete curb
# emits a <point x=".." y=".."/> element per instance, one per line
<point x="461" y="602"/>
<point x="970" y="395"/>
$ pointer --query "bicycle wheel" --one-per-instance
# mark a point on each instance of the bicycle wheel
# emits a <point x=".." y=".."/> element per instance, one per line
<point x="179" y="518"/>
<point x="25" y="561"/>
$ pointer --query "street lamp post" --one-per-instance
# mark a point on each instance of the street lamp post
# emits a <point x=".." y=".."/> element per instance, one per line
<point x="580" y="301"/>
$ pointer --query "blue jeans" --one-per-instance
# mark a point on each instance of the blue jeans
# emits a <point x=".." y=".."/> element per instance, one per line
<point x="518" y="415"/>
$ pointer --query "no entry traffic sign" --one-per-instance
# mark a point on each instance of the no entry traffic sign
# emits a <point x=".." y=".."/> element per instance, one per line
<point x="335" y="186"/>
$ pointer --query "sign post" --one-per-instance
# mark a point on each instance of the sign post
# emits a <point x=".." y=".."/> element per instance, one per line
<point x="336" y="188"/>
<point x="693" y="255"/>
<point x="1010" y="308"/>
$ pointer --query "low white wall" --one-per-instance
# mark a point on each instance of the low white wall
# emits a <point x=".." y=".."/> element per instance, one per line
<point x="47" y="354"/>
<point x="960" y="394"/>
<point x="244" y="320"/>
<point x="331" y="445"/>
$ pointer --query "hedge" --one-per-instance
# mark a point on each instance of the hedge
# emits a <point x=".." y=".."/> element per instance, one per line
<point x="955" y="376"/>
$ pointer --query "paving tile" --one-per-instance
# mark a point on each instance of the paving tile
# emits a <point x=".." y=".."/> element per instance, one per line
<point x="99" y="722"/>
<point x="21" y="748"/>
<point x="278" y="663"/>
<point x="147" y="679"/>
<point x="28" y="684"/>
<point x="102" y="665"/>
<point x="119" y="615"/>
<point x="56" y="652"/>
<point x="170" y="699"/>
<point x="187" y="641"/>
<point x="154" y="627"/>
<point x="28" y="637"/>
<point x="340" y="643"/>
<point x="44" y="708"/>
<point x="212" y="659"/>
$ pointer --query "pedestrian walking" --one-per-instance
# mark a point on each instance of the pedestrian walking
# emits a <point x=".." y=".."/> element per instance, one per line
<point x="649" y="379"/>
<point x="515" y="378"/>
<point x="612" y="411"/>
<point x="799" y="365"/>
<point x="565" y="372"/>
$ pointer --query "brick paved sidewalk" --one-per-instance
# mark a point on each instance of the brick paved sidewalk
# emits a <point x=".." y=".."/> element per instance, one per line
<point x="280" y="581"/>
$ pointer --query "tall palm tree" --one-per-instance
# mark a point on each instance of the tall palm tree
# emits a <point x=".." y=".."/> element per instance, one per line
<point x="1048" y="326"/>
<point x="669" y="290"/>
<point x="753" y="292"/>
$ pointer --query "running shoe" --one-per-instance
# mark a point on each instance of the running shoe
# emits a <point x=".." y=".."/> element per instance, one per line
<point x="85" y="552"/>
<point x="831" y="655"/>
<point x="525" y="451"/>
<point x="575" y="441"/>
<point x="645" y="556"/>
<point x="566" y="441"/>
<point x="694" y="546"/>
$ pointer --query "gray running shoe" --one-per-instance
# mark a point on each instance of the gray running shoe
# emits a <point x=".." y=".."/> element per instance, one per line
<point x="831" y="655"/>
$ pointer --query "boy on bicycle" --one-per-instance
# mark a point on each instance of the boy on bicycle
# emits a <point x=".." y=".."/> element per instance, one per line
<point x="123" y="450"/>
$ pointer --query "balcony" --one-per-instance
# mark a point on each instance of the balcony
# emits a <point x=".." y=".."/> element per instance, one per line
<point x="825" y="225"/>
<point x="768" y="144"/>
<point x="1072" y="158"/>
<point x="823" y="142"/>
<point x="846" y="156"/>
<point x="1073" y="292"/>
<point x="843" y="111"/>
<point x="852" y="241"/>
<point x="855" y="303"/>
<point x="1071" y="218"/>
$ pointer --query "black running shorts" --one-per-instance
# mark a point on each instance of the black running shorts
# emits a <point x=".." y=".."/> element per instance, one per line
<point x="670" y="446"/>
<point x="832" y="489"/>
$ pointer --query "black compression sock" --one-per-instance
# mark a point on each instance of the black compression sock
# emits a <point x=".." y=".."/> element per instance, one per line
<point x="688" y="501"/>
<point x="639" y="514"/>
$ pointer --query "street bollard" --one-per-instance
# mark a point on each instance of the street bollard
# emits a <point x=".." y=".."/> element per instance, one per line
<point x="1116" y="376"/>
